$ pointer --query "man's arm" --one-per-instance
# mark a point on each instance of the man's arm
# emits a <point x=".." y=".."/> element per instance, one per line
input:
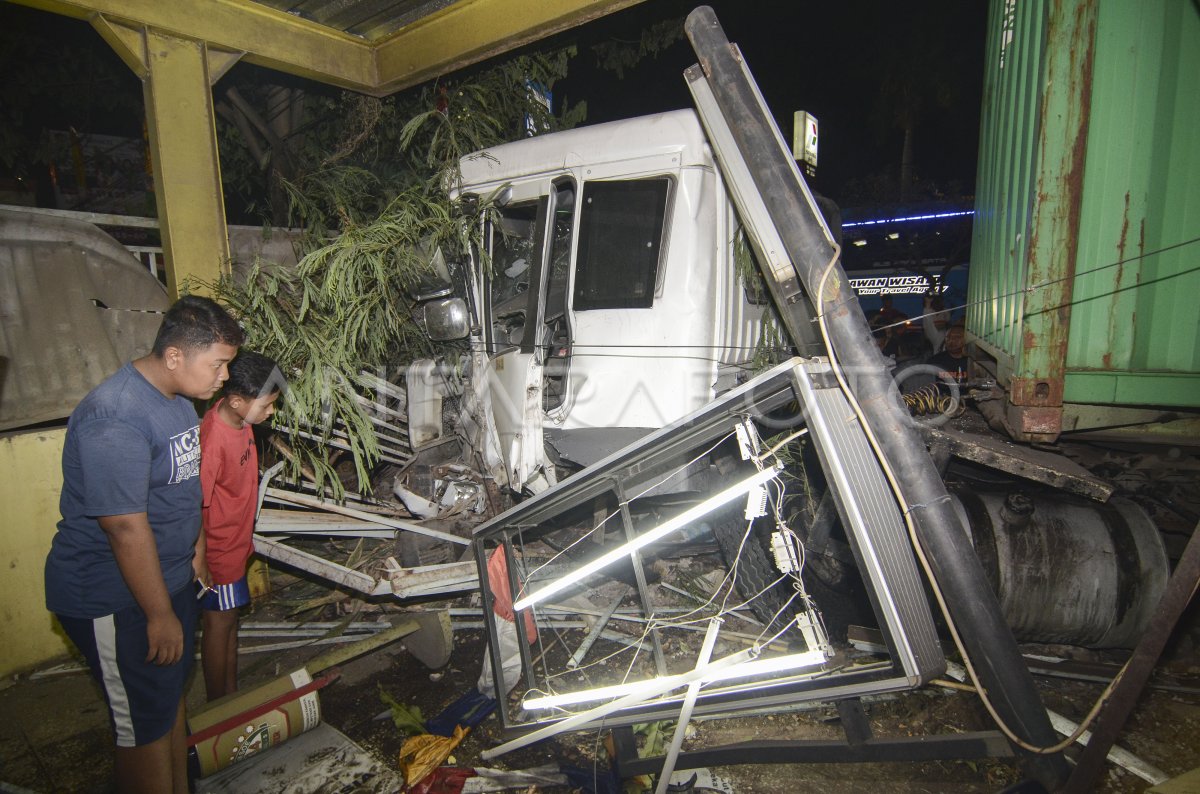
<point x="133" y="545"/>
<point x="934" y="334"/>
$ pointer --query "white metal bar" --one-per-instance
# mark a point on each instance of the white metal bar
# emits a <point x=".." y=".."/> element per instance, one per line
<point x="652" y="689"/>
<point x="395" y="523"/>
<point x="98" y="218"/>
<point x="685" y="713"/>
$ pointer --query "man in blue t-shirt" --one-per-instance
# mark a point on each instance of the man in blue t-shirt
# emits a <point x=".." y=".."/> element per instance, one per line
<point x="119" y="573"/>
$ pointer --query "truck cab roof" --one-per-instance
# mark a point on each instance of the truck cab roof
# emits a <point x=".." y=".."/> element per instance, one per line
<point x="677" y="131"/>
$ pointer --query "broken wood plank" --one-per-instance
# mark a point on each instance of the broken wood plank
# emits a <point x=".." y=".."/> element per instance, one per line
<point x="378" y="640"/>
<point x="331" y="571"/>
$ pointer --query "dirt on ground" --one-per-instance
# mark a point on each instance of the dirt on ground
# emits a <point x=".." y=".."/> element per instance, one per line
<point x="55" y="738"/>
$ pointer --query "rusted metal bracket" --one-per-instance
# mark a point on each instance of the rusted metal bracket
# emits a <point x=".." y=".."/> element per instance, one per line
<point x="1032" y="464"/>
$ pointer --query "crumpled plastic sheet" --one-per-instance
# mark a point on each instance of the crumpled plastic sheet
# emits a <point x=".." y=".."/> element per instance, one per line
<point x="420" y="755"/>
<point x="459" y="780"/>
<point x="487" y="779"/>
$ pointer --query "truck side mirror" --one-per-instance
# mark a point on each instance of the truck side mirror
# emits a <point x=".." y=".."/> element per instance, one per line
<point x="444" y="319"/>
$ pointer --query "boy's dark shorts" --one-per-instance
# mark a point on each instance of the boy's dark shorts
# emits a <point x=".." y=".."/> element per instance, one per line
<point x="143" y="698"/>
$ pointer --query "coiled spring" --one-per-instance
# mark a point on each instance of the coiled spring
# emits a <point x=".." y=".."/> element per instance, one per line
<point x="929" y="400"/>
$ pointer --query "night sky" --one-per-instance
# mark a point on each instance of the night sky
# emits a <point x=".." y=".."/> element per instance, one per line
<point x="827" y="58"/>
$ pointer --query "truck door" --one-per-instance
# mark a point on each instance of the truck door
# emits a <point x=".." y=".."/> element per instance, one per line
<point x="529" y="239"/>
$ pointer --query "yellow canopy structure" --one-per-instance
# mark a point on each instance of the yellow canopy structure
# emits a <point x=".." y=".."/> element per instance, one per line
<point x="181" y="48"/>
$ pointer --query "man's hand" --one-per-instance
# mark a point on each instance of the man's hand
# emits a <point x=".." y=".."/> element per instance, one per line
<point x="165" y="636"/>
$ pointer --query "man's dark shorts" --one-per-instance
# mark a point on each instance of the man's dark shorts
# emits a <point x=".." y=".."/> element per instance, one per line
<point x="143" y="698"/>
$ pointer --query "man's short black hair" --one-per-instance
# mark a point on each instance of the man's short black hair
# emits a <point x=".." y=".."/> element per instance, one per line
<point x="194" y="323"/>
<point x="253" y="375"/>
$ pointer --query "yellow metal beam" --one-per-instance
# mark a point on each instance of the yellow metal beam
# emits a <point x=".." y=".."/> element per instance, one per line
<point x="470" y="31"/>
<point x="183" y="150"/>
<point x="267" y="37"/>
<point x="128" y="43"/>
<point x="463" y="33"/>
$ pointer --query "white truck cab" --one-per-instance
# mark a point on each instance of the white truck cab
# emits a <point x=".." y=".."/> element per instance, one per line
<point x="612" y="304"/>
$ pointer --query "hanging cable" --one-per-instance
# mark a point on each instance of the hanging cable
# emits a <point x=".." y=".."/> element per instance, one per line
<point x="920" y="551"/>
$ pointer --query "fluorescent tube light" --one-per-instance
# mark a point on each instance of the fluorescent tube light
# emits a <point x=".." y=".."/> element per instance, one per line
<point x="775" y="664"/>
<point x="653" y="688"/>
<point x="646" y="538"/>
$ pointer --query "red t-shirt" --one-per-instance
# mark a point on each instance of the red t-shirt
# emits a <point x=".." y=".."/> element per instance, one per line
<point x="229" y="482"/>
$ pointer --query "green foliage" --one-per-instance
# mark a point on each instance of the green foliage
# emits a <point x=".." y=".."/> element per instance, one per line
<point x="313" y="138"/>
<point x="772" y="347"/>
<point x="342" y="310"/>
<point x="620" y="56"/>
<point x="407" y="718"/>
<point x="374" y="205"/>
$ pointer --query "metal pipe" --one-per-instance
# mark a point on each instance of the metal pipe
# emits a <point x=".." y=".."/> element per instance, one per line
<point x="685" y="712"/>
<point x="808" y="244"/>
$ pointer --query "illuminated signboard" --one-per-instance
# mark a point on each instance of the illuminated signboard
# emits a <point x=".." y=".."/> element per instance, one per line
<point x="894" y="285"/>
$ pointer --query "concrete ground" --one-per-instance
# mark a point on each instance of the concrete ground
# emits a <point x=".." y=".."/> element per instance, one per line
<point x="54" y="734"/>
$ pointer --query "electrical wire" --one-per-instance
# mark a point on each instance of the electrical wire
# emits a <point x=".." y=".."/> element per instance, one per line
<point x="1034" y="287"/>
<point x="920" y="551"/>
<point x="930" y="399"/>
<point x="727" y="586"/>
<point x="630" y="500"/>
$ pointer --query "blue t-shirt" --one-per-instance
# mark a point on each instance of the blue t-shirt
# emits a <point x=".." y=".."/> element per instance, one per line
<point x="129" y="449"/>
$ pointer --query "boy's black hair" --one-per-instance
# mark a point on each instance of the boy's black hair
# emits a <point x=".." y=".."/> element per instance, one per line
<point x="194" y="323"/>
<point x="253" y="375"/>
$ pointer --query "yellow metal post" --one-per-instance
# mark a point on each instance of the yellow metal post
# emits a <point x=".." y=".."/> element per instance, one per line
<point x="183" y="150"/>
<point x="177" y="75"/>
<point x="30" y="482"/>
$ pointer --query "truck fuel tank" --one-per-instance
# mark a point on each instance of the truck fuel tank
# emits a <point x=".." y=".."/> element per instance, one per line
<point x="1067" y="570"/>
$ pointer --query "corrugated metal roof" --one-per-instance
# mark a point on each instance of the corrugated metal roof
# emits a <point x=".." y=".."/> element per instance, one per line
<point x="369" y="19"/>
<point x="74" y="306"/>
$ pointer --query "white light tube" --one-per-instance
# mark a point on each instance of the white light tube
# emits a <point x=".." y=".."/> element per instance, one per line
<point x="652" y="688"/>
<point x="646" y="538"/>
<point x="774" y="664"/>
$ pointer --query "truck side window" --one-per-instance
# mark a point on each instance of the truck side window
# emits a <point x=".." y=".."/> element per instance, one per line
<point x="512" y="252"/>
<point x="620" y="237"/>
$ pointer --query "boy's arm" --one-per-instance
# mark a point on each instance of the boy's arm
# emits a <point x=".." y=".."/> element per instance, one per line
<point x="200" y="561"/>
<point x="133" y="545"/>
<point x="211" y="464"/>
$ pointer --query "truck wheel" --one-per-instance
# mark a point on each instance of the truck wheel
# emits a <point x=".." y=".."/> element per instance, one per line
<point x="757" y="580"/>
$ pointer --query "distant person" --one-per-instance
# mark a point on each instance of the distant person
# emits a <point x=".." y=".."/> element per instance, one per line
<point x="934" y="321"/>
<point x="951" y="363"/>
<point x="229" y="482"/>
<point x="887" y="314"/>
<point x="120" y="569"/>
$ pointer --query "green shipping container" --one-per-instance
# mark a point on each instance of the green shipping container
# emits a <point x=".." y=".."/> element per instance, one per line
<point x="1085" y="263"/>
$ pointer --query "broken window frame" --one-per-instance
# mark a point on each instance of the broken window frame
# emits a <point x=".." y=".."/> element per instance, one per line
<point x="865" y="503"/>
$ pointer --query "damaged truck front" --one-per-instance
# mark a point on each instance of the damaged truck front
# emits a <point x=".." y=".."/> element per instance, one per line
<point x="618" y="287"/>
<point x="606" y="301"/>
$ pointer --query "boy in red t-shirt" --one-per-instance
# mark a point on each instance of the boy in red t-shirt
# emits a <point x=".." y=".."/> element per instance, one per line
<point x="229" y="482"/>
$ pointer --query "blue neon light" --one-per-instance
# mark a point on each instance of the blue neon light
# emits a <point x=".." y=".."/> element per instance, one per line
<point x="909" y="218"/>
